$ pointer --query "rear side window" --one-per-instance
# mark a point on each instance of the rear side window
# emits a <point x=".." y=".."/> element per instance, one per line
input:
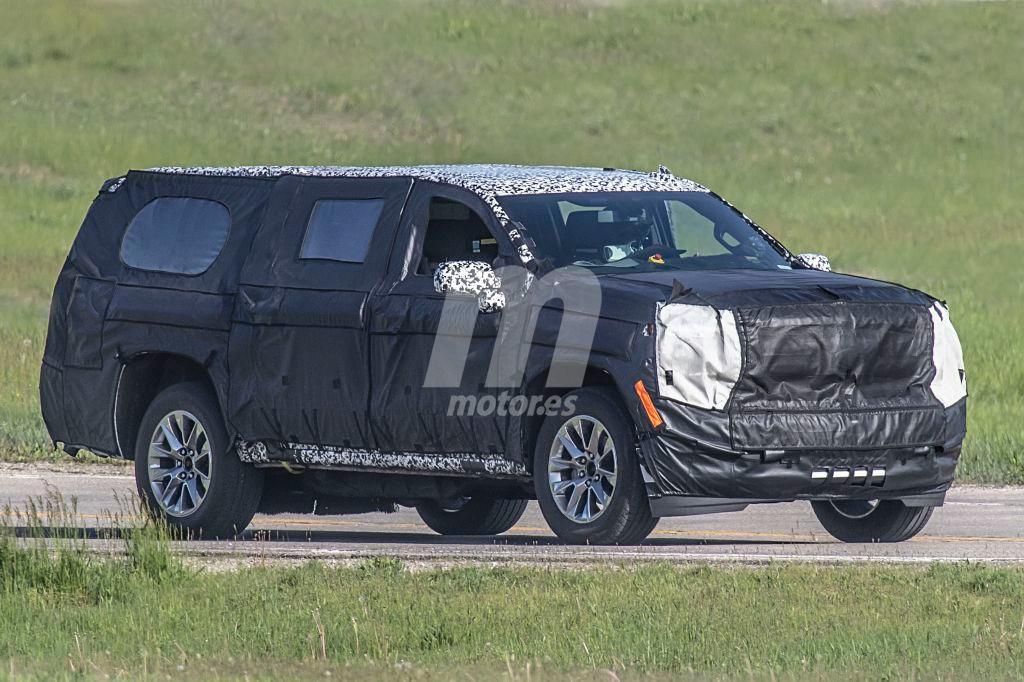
<point x="180" y="235"/>
<point x="341" y="229"/>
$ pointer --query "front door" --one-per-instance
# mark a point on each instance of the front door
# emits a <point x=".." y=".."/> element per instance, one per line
<point x="407" y="415"/>
<point x="299" y="350"/>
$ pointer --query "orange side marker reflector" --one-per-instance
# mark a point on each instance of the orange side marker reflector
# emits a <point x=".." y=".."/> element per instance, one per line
<point x="645" y="400"/>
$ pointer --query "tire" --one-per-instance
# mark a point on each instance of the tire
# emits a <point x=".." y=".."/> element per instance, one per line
<point x="477" y="516"/>
<point x="857" y="521"/>
<point x="220" y="494"/>
<point x="624" y="518"/>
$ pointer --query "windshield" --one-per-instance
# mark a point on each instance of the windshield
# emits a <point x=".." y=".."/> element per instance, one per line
<point x="642" y="231"/>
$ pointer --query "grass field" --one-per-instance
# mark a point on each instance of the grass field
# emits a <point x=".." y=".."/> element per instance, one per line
<point x="148" y="616"/>
<point x="887" y="135"/>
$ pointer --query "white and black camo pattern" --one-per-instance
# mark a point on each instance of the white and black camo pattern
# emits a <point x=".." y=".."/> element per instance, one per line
<point x="252" y="451"/>
<point x="471" y="277"/>
<point x="520" y="243"/>
<point x="490" y="301"/>
<point x="329" y="456"/>
<point x="815" y="261"/>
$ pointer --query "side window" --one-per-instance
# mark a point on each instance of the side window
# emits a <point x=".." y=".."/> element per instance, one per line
<point x="341" y="229"/>
<point x="179" y="235"/>
<point x="455" y="232"/>
<point x="695" y="232"/>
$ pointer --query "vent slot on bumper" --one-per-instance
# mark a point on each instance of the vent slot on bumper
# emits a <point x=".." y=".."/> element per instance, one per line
<point x="857" y="475"/>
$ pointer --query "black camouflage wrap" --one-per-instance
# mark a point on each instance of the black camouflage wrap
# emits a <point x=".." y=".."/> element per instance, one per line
<point x="322" y="364"/>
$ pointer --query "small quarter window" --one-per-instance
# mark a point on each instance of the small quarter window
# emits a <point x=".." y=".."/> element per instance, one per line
<point x="341" y="229"/>
<point x="180" y="235"/>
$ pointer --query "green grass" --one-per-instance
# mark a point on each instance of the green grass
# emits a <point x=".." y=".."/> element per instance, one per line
<point x="944" y="622"/>
<point x="146" y="614"/>
<point x="887" y="135"/>
<point x="137" y="610"/>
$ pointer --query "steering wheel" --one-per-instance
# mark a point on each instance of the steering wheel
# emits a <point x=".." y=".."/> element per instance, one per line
<point x="657" y="250"/>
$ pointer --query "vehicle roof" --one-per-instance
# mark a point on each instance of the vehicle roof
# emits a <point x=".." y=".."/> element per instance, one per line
<point x="489" y="181"/>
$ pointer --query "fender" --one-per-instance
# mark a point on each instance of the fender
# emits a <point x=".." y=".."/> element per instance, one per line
<point x="144" y="374"/>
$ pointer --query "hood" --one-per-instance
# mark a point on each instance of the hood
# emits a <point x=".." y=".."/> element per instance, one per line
<point x="727" y="289"/>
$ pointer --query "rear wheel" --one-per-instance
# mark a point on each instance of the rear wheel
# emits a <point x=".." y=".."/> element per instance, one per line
<point x="186" y="471"/>
<point x="471" y="515"/>
<point x="586" y="473"/>
<point x="871" y="521"/>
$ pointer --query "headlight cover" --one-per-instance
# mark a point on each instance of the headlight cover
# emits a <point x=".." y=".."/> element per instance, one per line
<point x="699" y="356"/>
<point x="950" y="383"/>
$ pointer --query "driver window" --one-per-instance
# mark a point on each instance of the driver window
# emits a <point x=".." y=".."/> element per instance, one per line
<point x="694" y="232"/>
<point x="455" y="232"/>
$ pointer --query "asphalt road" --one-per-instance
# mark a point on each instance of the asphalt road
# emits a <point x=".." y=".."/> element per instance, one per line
<point x="977" y="524"/>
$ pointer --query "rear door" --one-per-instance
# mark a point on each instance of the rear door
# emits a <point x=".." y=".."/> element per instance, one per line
<point x="299" y="355"/>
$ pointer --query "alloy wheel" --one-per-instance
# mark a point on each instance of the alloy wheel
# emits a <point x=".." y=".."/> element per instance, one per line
<point x="582" y="469"/>
<point x="179" y="464"/>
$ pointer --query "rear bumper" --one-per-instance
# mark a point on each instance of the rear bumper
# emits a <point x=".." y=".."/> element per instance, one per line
<point x="694" y="457"/>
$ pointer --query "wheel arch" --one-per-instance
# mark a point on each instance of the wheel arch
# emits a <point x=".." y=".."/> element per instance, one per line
<point x="141" y="378"/>
<point x="596" y="374"/>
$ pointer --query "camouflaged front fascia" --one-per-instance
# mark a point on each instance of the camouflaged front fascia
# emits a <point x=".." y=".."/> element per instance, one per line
<point x="304" y="454"/>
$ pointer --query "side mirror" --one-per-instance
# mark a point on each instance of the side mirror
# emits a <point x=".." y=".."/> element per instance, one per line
<point x="815" y="261"/>
<point x="473" y="278"/>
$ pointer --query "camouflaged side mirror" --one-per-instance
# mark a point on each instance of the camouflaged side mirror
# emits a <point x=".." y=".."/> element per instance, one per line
<point x="815" y="261"/>
<point x="473" y="278"/>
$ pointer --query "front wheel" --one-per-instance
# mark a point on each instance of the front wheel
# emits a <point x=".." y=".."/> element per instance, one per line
<point x="871" y="521"/>
<point x="586" y="473"/>
<point x="186" y="471"/>
<point x="477" y="515"/>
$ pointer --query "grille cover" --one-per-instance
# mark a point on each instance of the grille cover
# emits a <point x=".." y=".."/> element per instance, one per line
<point x="836" y="375"/>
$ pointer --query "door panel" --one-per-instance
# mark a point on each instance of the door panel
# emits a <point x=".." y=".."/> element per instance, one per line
<point x="407" y="416"/>
<point x="299" y="352"/>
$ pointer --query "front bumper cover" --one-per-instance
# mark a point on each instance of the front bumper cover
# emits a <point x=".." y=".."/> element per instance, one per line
<point x="693" y="456"/>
